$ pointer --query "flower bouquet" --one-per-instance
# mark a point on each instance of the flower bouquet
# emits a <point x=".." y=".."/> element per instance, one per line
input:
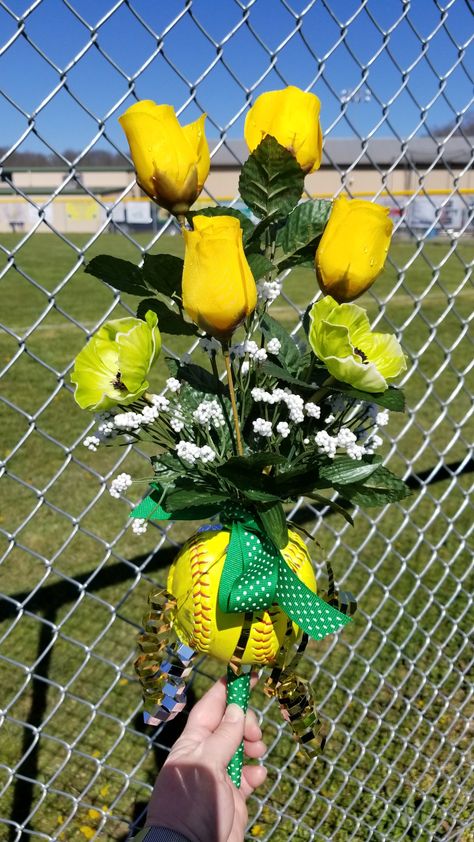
<point x="269" y="419"/>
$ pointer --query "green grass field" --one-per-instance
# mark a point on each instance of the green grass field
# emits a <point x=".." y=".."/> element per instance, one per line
<point x="397" y="758"/>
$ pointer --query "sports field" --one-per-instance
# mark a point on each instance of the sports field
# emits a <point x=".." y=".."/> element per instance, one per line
<point x="398" y="752"/>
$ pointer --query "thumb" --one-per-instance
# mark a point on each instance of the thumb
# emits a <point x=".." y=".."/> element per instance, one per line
<point x="225" y="740"/>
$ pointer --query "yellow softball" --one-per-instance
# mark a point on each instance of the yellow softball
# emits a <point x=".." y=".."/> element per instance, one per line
<point x="194" y="582"/>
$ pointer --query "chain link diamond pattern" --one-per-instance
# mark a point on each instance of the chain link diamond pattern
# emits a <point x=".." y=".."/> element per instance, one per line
<point x="76" y="761"/>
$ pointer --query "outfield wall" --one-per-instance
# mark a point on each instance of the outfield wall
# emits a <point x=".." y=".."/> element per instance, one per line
<point x="436" y="212"/>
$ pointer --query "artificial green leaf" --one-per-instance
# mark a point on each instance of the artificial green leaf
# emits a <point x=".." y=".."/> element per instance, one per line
<point x="331" y="504"/>
<point x="300" y="480"/>
<point x="199" y="378"/>
<point x="344" y="470"/>
<point x="259" y="265"/>
<point x="163" y="273"/>
<point x="274" y="370"/>
<point x="392" y="399"/>
<point x="252" y="241"/>
<point x="118" y="273"/>
<point x="274" y="522"/>
<point x="289" y="351"/>
<point x="271" y="180"/>
<point x="169" y="321"/>
<point x="380" y="488"/>
<point x="258" y="495"/>
<point x="304" y="226"/>
<point x="245" y="223"/>
<point x="254" y="461"/>
<point x="183" y="498"/>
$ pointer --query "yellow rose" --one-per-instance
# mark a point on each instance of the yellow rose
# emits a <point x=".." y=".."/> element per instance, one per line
<point x="291" y="116"/>
<point x="219" y="291"/>
<point x="353" y="248"/>
<point x="172" y="161"/>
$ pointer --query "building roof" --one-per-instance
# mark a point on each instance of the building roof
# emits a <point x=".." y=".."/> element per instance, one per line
<point x="379" y="151"/>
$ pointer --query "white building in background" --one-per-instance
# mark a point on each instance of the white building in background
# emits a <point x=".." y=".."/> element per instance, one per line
<point x="428" y="185"/>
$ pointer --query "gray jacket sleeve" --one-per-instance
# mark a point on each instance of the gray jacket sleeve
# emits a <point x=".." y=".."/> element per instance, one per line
<point x="160" y="834"/>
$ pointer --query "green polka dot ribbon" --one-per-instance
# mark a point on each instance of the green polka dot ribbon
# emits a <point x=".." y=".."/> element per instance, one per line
<point x="255" y="574"/>
<point x="238" y="692"/>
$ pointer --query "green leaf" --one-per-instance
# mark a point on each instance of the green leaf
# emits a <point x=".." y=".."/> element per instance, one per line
<point x="278" y="372"/>
<point x="200" y="379"/>
<point x="271" y="180"/>
<point x="344" y="470"/>
<point x="245" y="223"/>
<point x="274" y="522"/>
<point x="169" y="321"/>
<point x="331" y="504"/>
<point x="304" y="226"/>
<point x="259" y="265"/>
<point x="184" y="498"/>
<point x="300" y="481"/>
<point x="380" y="488"/>
<point x="163" y="273"/>
<point x="257" y="495"/>
<point x="256" y="462"/>
<point x="392" y="399"/>
<point x="289" y="352"/>
<point x="118" y="273"/>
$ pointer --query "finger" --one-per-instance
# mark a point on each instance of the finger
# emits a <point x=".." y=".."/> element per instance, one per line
<point x="252" y="777"/>
<point x="254" y="749"/>
<point x="207" y="713"/>
<point x="252" y="730"/>
<point x="225" y="740"/>
<point x="209" y="710"/>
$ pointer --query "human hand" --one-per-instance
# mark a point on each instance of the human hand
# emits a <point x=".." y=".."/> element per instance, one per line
<point x="193" y="793"/>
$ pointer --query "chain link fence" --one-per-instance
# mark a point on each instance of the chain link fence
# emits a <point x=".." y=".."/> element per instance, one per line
<point x="75" y="760"/>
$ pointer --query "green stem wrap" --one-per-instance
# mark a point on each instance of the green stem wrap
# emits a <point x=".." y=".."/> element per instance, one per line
<point x="238" y="692"/>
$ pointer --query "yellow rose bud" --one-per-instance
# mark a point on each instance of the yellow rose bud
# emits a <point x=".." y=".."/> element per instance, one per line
<point x="353" y="248"/>
<point x="291" y="116"/>
<point x="219" y="291"/>
<point x="171" y="161"/>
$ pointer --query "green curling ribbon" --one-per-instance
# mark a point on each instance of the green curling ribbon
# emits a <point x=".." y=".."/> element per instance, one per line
<point x="238" y="692"/>
<point x="255" y="574"/>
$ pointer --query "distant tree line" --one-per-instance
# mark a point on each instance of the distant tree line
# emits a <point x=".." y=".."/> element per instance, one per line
<point x="94" y="158"/>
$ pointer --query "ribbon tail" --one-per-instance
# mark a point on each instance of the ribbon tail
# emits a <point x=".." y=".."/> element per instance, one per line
<point x="311" y="613"/>
<point x="233" y="568"/>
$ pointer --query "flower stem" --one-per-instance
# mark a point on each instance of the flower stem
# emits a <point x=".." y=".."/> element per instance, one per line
<point x="228" y="368"/>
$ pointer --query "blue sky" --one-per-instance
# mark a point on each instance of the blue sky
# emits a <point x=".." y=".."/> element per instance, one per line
<point x="315" y="55"/>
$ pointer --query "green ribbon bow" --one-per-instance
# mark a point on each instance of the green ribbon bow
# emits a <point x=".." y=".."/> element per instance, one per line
<point x="255" y="574"/>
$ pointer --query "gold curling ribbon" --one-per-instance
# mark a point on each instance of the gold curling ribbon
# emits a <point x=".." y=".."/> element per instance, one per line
<point x="164" y="662"/>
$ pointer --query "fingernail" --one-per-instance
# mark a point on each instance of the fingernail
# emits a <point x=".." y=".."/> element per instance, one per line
<point x="233" y="713"/>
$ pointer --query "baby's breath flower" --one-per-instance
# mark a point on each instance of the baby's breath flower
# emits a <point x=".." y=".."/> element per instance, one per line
<point x="207" y="454"/>
<point x="244" y="368"/>
<point x="381" y="419"/>
<point x="260" y="356"/>
<point x="209" y="414"/>
<point x="92" y="443"/>
<point x="162" y="404"/>
<point x="267" y="291"/>
<point x="120" y="484"/>
<point x="326" y="443"/>
<point x="312" y="410"/>
<point x="356" y="451"/>
<point x="274" y="346"/>
<point x="139" y="525"/>
<point x="262" y="427"/>
<point x="173" y="384"/>
<point x="128" y="421"/>
<point x="283" y="429"/>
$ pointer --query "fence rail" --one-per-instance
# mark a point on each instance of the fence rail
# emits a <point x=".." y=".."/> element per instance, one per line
<point x="76" y="761"/>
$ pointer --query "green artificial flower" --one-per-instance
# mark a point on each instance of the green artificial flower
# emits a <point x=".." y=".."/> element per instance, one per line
<point x="112" y="367"/>
<point x="341" y="337"/>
